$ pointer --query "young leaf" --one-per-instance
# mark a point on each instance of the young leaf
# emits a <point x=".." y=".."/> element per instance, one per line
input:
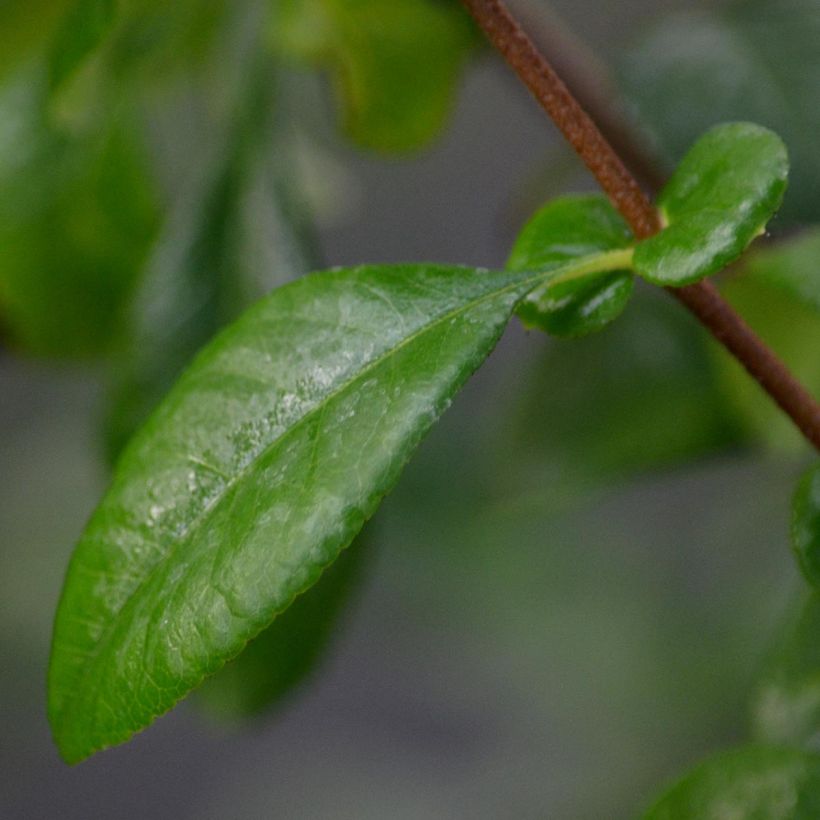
<point x="786" y="704"/>
<point x="753" y="783"/>
<point x="395" y="64"/>
<point x="261" y="465"/>
<point x="806" y="525"/>
<point x="285" y="653"/>
<point x="719" y="199"/>
<point x="585" y="230"/>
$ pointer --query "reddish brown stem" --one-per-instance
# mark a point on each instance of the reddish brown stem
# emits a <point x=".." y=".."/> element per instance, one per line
<point x="702" y="299"/>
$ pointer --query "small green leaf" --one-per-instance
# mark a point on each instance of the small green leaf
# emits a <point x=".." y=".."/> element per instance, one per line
<point x="395" y="64"/>
<point x="83" y="29"/>
<point x="786" y="703"/>
<point x="752" y="783"/>
<point x="256" y="470"/>
<point x="792" y="266"/>
<point x="806" y="525"/>
<point x="285" y="653"/>
<point x="719" y="199"/>
<point x="589" y="233"/>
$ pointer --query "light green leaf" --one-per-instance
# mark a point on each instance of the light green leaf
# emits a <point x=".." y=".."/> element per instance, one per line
<point x="285" y="653"/>
<point x="806" y="525"/>
<point x="253" y="474"/>
<point x="395" y="64"/>
<point x="719" y="199"/>
<point x="792" y="266"/>
<point x="572" y="228"/>
<point x="752" y="783"/>
<point x="83" y="29"/>
<point x="786" y="703"/>
<point x="754" y="60"/>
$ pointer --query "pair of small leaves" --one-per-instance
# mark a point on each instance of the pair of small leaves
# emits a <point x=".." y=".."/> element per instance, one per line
<point x="272" y="450"/>
<point x="718" y="200"/>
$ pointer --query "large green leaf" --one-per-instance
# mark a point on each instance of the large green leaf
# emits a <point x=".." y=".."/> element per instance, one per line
<point x="395" y="64"/>
<point x="257" y="469"/>
<point x="786" y="703"/>
<point x="751" y="60"/>
<point x="806" y="525"/>
<point x="283" y="655"/>
<point x="593" y="295"/>
<point x="752" y="783"/>
<point x="719" y="199"/>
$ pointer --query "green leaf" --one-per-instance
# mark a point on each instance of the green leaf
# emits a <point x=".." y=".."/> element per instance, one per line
<point x="283" y="655"/>
<point x="85" y="26"/>
<point x="253" y="474"/>
<point x="752" y="783"/>
<point x="77" y="219"/>
<point x="806" y="525"/>
<point x="786" y="703"/>
<point x="754" y="60"/>
<point x="569" y="229"/>
<point x="395" y="64"/>
<point x="792" y="266"/>
<point x="719" y="199"/>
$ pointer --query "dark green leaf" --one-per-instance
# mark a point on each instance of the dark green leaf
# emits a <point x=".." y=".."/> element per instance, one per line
<point x="754" y="60"/>
<point x="282" y="655"/>
<point x="792" y="266"/>
<point x="395" y="64"/>
<point x="256" y="470"/>
<point x="569" y="229"/>
<point x="82" y="30"/>
<point x="752" y="783"/>
<point x="786" y="704"/>
<point x="719" y="199"/>
<point x="806" y="525"/>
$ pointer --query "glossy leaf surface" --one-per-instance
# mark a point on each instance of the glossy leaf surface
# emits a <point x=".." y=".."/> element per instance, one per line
<point x="754" y="60"/>
<point x="567" y="230"/>
<point x="261" y="464"/>
<point x="806" y="525"/>
<point x="753" y="783"/>
<point x="394" y="64"/>
<point x="719" y="199"/>
<point x="786" y="703"/>
<point x="284" y="654"/>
